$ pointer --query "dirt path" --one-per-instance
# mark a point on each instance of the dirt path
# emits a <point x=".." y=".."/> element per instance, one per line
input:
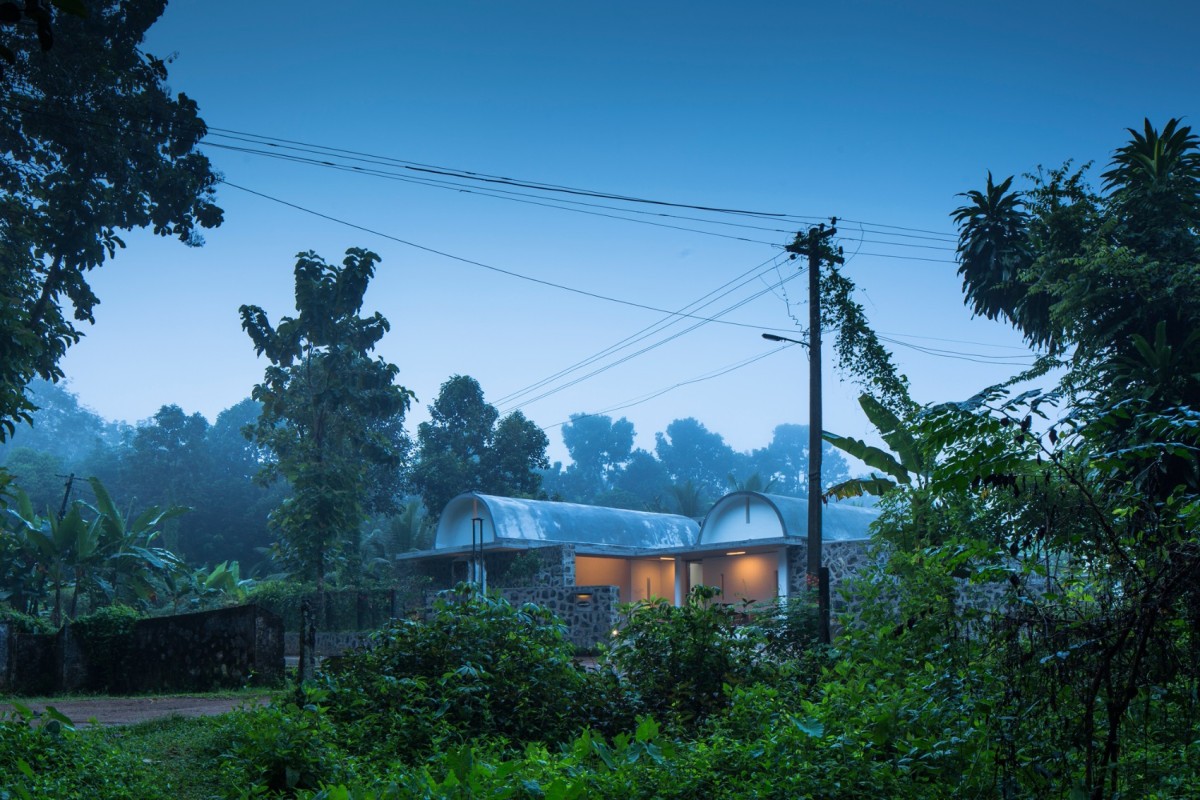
<point x="130" y="710"/>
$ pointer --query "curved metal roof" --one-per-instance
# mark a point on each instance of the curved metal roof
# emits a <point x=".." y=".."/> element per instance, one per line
<point x="744" y="516"/>
<point x="523" y="522"/>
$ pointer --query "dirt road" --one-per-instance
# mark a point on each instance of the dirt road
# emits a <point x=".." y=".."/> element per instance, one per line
<point x="130" y="710"/>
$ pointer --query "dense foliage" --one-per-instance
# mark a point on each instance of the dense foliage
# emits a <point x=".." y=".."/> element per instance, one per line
<point x="330" y="411"/>
<point x="466" y="446"/>
<point x="91" y="144"/>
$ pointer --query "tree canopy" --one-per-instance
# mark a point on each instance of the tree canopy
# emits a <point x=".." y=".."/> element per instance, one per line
<point x="465" y="446"/>
<point x="1095" y="274"/>
<point x="325" y="407"/>
<point x="91" y="144"/>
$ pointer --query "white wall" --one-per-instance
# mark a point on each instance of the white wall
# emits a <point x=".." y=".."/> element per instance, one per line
<point x="751" y="576"/>
<point x="597" y="571"/>
<point x="740" y="518"/>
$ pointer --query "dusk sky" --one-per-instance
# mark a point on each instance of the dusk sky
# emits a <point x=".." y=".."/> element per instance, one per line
<point x="877" y="112"/>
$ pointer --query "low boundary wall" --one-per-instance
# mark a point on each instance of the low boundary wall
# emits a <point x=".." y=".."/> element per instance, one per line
<point x="224" y="649"/>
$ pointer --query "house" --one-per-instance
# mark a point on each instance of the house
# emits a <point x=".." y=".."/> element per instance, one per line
<point x="582" y="560"/>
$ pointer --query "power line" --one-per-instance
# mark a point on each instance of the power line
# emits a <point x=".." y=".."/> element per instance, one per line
<point x="517" y="197"/>
<point x="978" y="358"/>
<point x="911" y="258"/>
<point x="473" y="175"/>
<point x="954" y="341"/>
<point x="482" y="265"/>
<point x="658" y="393"/>
<point x="646" y="332"/>
<point x="470" y="175"/>
<point x="644" y="350"/>
<point x="499" y="179"/>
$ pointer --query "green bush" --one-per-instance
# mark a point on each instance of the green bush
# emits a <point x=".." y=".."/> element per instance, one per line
<point x="24" y="623"/>
<point x="52" y="760"/>
<point x="478" y="667"/>
<point x="679" y="661"/>
<point x="281" y="749"/>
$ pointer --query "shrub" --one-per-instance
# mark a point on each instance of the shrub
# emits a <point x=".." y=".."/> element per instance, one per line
<point x="679" y="661"/>
<point x="282" y="749"/>
<point x="53" y="760"/>
<point x="24" y="623"/>
<point x="479" y="666"/>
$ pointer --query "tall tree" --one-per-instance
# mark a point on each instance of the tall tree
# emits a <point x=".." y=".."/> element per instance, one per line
<point x="1073" y="268"/>
<point x="1101" y="507"/>
<point x="784" y="462"/>
<point x="510" y="466"/>
<point x="599" y="447"/>
<point x="693" y="454"/>
<point x="465" y="446"/>
<point x="91" y="144"/>
<point x="324" y="400"/>
<point x="645" y="478"/>
<point x="62" y="426"/>
<point x="229" y="521"/>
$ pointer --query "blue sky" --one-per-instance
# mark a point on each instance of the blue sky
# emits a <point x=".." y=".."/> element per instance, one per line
<point x="877" y="112"/>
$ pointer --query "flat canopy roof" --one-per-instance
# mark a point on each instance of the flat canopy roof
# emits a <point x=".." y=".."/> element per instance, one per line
<point x="528" y="523"/>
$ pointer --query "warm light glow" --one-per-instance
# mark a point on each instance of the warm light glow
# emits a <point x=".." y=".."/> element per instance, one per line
<point x="736" y="553"/>
<point x="665" y="558"/>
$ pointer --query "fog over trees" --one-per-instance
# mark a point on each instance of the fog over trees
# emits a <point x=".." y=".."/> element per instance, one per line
<point x="177" y="457"/>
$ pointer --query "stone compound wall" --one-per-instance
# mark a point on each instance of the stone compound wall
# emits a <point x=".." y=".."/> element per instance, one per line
<point x="557" y="566"/>
<point x="844" y="560"/>
<point x="590" y="612"/>
<point x="347" y="609"/>
<point x="228" y="648"/>
<point x="29" y="663"/>
<point x="225" y="649"/>
<point x="329" y="643"/>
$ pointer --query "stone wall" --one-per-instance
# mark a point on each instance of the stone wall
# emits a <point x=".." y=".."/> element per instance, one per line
<point x="329" y="643"/>
<point x="348" y="609"/>
<point x="590" y="612"/>
<point x="29" y="663"/>
<point x="844" y="560"/>
<point x="225" y="649"/>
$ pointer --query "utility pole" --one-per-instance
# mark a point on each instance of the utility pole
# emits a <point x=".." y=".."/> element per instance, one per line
<point x="62" y="511"/>
<point x="815" y="245"/>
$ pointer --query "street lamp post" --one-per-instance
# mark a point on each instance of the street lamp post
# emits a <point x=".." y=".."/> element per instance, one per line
<point x="818" y="574"/>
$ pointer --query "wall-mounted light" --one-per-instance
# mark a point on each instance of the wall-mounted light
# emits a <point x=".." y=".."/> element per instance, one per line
<point x="666" y="558"/>
<point x="736" y="553"/>
<point x="583" y="597"/>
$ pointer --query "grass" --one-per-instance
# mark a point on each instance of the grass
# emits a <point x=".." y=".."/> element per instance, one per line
<point x="248" y="692"/>
<point x="183" y="753"/>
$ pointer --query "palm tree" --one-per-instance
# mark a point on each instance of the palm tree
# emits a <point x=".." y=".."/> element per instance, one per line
<point x="994" y="251"/>
<point x="753" y="483"/>
<point x="1154" y="182"/>
<point x="689" y="499"/>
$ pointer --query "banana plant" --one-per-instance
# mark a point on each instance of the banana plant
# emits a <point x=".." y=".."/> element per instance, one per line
<point x="61" y="548"/>
<point x="131" y="564"/>
<point x="205" y="586"/>
<point x="905" y="463"/>
<point x="92" y="550"/>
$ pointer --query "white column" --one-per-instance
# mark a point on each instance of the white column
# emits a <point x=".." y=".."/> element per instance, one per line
<point x="782" y="569"/>
<point x="680" y="577"/>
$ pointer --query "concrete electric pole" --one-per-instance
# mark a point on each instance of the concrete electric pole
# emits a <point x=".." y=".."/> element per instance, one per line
<point x="816" y="247"/>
